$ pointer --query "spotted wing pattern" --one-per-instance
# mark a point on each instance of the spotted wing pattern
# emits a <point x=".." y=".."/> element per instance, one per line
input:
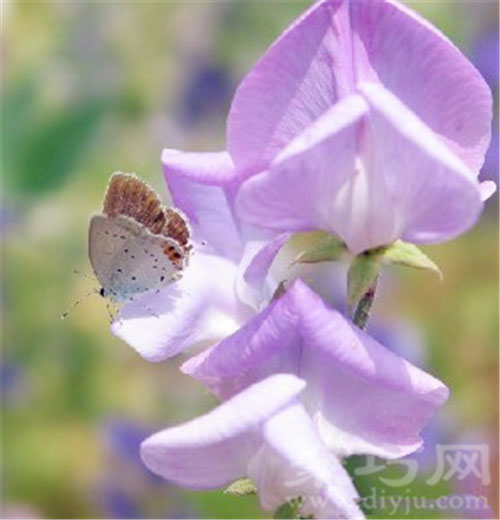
<point x="128" y="259"/>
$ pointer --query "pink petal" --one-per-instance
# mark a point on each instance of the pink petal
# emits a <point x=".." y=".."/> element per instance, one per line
<point x="260" y="249"/>
<point x="293" y="83"/>
<point x="248" y="355"/>
<point x="200" y="185"/>
<point x="297" y="463"/>
<point x="487" y="189"/>
<point x="298" y="190"/>
<point x="363" y="398"/>
<point x="433" y="196"/>
<point x="258" y="268"/>
<point x="200" y="307"/>
<point x="213" y="450"/>
<point x="334" y="45"/>
<point x="420" y="66"/>
<point x="368" y="173"/>
<point x="211" y="168"/>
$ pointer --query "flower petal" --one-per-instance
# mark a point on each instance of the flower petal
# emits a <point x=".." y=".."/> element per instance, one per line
<point x="248" y="355"/>
<point x="418" y="64"/>
<point x="296" y="463"/>
<point x="364" y="398"/>
<point x="260" y="249"/>
<point x="298" y="190"/>
<point x="433" y="196"/>
<point x="369" y="174"/>
<point x="200" y="185"/>
<point x="329" y="49"/>
<point x="211" y="168"/>
<point x="213" y="450"/>
<point x="487" y="189"/>
<point x="290" y="87"/>
<point x="200" y="307"/>
<point x="257" y="269"/>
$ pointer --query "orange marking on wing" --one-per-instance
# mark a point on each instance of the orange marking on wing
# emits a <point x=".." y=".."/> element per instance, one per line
<point x="173" y="255"/>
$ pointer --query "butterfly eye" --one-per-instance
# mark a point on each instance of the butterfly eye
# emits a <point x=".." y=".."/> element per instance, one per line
<point x="102" y="292"/>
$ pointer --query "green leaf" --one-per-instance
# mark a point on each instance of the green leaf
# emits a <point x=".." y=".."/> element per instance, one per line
<point x="241" y="488"/>
<point x="363" y="273"/>
<point x="50" y="145"/>
<point x="403" y="253"/>
<point x="328" y="249"/>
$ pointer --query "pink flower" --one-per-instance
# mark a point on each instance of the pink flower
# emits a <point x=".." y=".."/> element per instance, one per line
<point x="265" y="434"/>
<point x="362" y="398"/>
<point x="362" y="120"/>
<point x="367" y="123"/>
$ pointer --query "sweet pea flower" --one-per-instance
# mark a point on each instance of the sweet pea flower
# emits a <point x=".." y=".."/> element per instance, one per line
<point x="226" y="281"/>
<point x="362" y="120"/>
<point x="367" y="123"/>
<point x="362" y="398"/>
<point x="263" y="433"/>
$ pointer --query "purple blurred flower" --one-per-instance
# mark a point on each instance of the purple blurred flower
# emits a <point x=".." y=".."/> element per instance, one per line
<point x="362" y="120"/>
<point x="15" y="384"/>
<point x="492" y="163"/>
<point x="362" y="398"/>
<point x="118" y="504"/>
<point x="486" y="56"/>
<point x="207" y="91"/>
<point x="9" y="378"/>
<point x="125" y="438"/>
<point x="263" y="433"/>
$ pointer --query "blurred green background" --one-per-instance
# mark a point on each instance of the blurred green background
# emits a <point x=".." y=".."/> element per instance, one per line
<point x="94" y="87"/>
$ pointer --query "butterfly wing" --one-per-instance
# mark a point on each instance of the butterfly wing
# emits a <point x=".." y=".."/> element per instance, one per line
<point x="128" y="259"/>
<point x="130" y="196"/>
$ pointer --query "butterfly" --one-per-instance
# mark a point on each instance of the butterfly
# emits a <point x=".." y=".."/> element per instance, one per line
<point x="136" y="245"/>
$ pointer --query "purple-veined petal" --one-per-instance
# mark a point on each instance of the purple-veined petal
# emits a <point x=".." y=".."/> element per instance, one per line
<point x="363" y="398"/>
<point x="260" y="248"/>
<point x="248" y="355"/>
<point x="293" y="83"/>
<point x="213" y="450"/>
<point x="424" y="69"/>
<point x="433" y="195"/>
<point x="211" y="168"/>
<point x="200" y="307"/>
<point x="369" y="171"/>
<point x="334" y="45"/>
<point x="200" y="185"/>
<point x="295" y="463"/>
<point x="257" y="269"/>
<point x="298" y="190"/>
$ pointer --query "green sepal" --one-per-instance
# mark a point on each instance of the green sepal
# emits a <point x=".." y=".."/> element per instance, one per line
<point x="363" y="273"/>
<point x="409" y="255"/>
<point x="327" y="249"/>
<point x="241" y="488"/>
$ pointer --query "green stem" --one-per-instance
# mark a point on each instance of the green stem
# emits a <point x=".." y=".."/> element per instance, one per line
<point x="362" y="312"/>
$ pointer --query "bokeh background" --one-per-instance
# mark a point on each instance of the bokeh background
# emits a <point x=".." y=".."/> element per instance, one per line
<point x="94" y="87"/>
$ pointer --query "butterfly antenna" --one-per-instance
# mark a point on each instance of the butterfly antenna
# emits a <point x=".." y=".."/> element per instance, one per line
<point x="65" y="314"/>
